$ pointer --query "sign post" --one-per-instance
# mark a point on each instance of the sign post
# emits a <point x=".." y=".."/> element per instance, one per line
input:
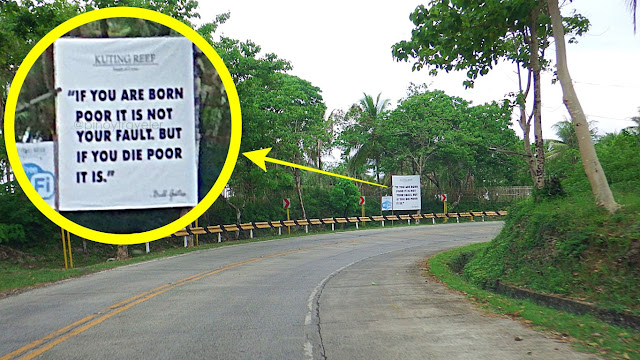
<point x="197" y="234"/>
<point x="444" y="202"/>
<point x="66" y="248"/>
<point x="362" y="201"/>
<point x="286" y="203"/>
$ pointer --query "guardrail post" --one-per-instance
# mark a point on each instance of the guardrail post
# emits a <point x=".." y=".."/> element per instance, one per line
<point x="188" y="234"/>
<point x="251" y="234"/>
<point x="147" y="248"/>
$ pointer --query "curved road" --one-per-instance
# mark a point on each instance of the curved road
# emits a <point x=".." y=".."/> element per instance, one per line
<point x="347" y="295"/>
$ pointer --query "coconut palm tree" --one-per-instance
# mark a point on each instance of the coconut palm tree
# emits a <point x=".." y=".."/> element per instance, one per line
<point x="567" y="139"/>
<point x="369" y="115"/>
<point x="634" y="129"/>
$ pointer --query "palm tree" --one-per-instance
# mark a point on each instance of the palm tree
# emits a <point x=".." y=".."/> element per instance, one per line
<point x="634" y="129"/>
<point x="369" y="116"/>
<point x="567" y="139"/>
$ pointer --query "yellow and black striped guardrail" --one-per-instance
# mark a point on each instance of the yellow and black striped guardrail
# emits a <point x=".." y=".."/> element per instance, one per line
<point x="216" y="229"/>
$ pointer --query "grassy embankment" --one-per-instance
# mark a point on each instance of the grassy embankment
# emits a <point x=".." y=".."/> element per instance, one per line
<point x="565" y="246"/>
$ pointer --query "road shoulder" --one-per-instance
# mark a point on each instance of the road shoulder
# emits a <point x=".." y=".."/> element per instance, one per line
<point x="383" y="308"/>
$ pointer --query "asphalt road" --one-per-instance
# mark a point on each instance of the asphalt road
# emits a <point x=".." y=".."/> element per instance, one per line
<point x="347" y="295"/>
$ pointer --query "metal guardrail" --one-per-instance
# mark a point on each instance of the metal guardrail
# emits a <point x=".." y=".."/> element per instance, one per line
<point x="217" y="229"/>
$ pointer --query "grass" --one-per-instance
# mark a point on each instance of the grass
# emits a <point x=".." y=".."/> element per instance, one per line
<point x="570" y="247"/>
<point x="585" y="332"/>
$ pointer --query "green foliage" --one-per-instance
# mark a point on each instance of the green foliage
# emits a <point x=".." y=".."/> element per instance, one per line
<point x="343" y="197"/>
<point x="280" y="111"/>
<point x="619" y="155"/>
<point x="12" y="233"/>
<point x="552" y="188"/>
<point x="567" y="246"/>
<point x="447" y="141"/>
<point x="475" y="36"/>
<point x="21" y="224"/>
<point x="25" y="22"/>
<point x="360" y="140"/>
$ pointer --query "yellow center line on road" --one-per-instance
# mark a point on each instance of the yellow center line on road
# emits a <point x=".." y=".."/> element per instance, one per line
<point x="63" y="334"/>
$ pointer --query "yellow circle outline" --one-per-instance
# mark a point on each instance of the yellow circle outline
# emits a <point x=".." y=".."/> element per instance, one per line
<point x="134" y="238"/>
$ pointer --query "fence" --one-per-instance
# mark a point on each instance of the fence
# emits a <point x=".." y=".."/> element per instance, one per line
<point x="279" y="224"/>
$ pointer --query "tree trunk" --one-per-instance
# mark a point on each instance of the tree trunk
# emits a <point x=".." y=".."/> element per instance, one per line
<point x="537" y="102"/>
<point x="525" y="124"/>
<point x="238" y="211"/>
<point x="296" y="174"/>
<point x="319" y="155"/>
<point x="122" y="253"/>
<point x="590" y="162"/>
<point x="85" y="251"/>
<point x="3" y="101"/>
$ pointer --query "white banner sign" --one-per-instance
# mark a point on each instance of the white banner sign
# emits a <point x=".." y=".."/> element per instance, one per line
<point x="406" y="192"/>
<point x="125" y="123"/>
<point x="387" y="203"/>
<point x="37" y="162"/>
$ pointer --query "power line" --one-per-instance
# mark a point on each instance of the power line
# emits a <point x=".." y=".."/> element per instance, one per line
<point x="609" y="118"/>
<point x="612" y="85"/>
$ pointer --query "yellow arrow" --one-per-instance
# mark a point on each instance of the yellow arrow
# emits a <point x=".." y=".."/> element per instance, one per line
<point x="260" y="156"/>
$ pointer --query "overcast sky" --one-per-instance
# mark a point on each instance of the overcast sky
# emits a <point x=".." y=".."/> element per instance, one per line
<point x="344" y="48"/>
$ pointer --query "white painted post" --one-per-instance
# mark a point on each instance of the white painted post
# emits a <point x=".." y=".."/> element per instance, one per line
<point x="185" y="241"/>
<point x="434" y="220"/>
<point x="306" y="229"/>
<point x="219" y="237"/>
<point x="147" y="247"/>
<point x="357" y="225"/>
<point x="408" y="221"/>
<point x="458" y="219"/>
<point x="251" y="233"/>
<point x="333" y="226"/>
<point x="382" y="223"/>
<point x="482" y="218"/>
<point x="280" y="230"/>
